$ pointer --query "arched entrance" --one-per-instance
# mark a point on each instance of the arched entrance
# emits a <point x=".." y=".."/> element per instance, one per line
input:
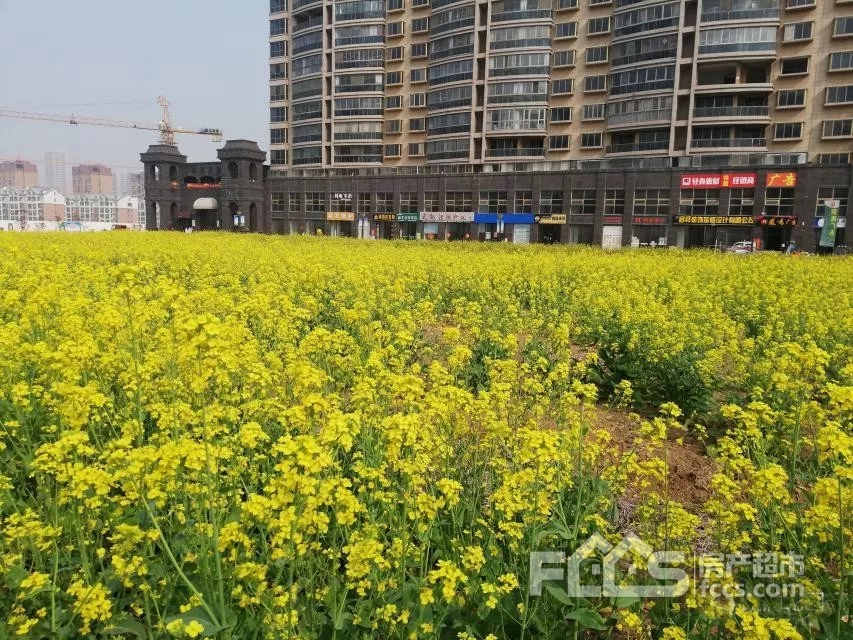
<point x="206" y="211"/>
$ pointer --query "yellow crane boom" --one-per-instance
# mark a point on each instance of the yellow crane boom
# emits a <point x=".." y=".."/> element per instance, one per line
<point x="167" y="131"/>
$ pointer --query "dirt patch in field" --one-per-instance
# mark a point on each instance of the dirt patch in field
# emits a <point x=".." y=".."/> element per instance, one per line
<point x="690" y="470"/>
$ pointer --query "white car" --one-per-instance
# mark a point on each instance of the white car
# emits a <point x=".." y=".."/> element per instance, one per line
<point x="744" y="246"/>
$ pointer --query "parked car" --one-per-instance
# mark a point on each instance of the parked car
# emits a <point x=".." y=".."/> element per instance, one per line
<point x="744" y="246"/>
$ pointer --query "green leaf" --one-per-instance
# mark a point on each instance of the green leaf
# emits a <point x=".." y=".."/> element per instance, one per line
<point x="198" y="615"/>
<point x="625" y="602"/>
<point x="127" y="627"/>
<point x="587" y="619"/>
<point x="559" y="594"/>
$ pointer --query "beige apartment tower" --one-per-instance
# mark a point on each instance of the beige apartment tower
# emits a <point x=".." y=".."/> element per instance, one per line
<point x="92" y="179"/>
<point x="18" y="174"/>
<point x="522" y="85"/>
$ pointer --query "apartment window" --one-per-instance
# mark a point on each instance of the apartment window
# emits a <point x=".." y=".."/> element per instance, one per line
<point x="307" y="111"/>
<point x="278" y="156"/>
<point x="651" y="202"/>
<point x="551" y="202"/>
<point x="596" y="55"/>
<point x="737" y="39"/>
<point x="779" y="202"/>
<point x="278" y="136"/>
<point x="277" y="201"/>
<point x="493" y="202"/>
<point x="416" y="149"/>
<point x="794" y="66"/>
<point x="837" y="128"/>
<point x="315" y="203"/>
<point x="523" y="202"/>
<point x="832" y="193"/>
<point x="420" y="3"/>
<point x="393" y="126"/>
<point x="591" y="140"/>
<point x="599" y="3"/>
<point x="278" y="93"/>
<point x="432" y="201"/>
<point x="834" y="158"/>
<point x="790" y="98"/>
<point x="419" y="50"/>
<point x="395" y="29"/>
<point x="742" y="202"/>
<point x="278" y="49"/>
<point x="417" y="100"/>
<point x="646" y="79"/>
<point x="614" y="202"/>
<point x="514" y="64"/>
<point x="842" y="27"/>
<point x="417" y="124"/>
<point x="839" y="95"/>
<point x="308" y="65"/>
<point x="392" y="150"/>
<point x="516" y="119"/>
<point x="566" y="30"/>
<point x="449" y="98"/>
<point x="564" y="58"/>
<point x="294" y="203"/>
<point x="559" y="87"/>
<point x="841" y="61"/>
<point x="384" y="202"/>
<point x="522" y="91"/>
<point x="278" y="71"/>
<point x="358" y="107"/>
<point x="409" y="200"/>
<point x="593" y="84"/>
<point x="365" y="203"/>
<point x="593" y="112"/>
<point x="797" y="31"/>
<point x="449" y="123"/>
<point x="393" y="102"/>
<point x="394" y="5"/>
<point x="394" y="77"/>
<point x="359" y="58"/>
<point x="597" y="26"/>
<point x="420" y="25"/>
<point x="561" y="114"/>
<point x="451" y="71"/>
<point x="307" y="133"/>
<point x="799" y="4"/>
<point x="459" y="201"/>
<point x="278" y="27"/>
<point x="700" y="202"/>
<point x="558" y="142"/>
<point x="341" y="202"/>
<point x="278" y="114"/>
<point x="277" y="6"/>
<point x="567" y="4"/>
<point x="395" y="53"/>
<point x="788" y="131"/>
<point x="417" y="75"/>
<point x="582" y="202"/>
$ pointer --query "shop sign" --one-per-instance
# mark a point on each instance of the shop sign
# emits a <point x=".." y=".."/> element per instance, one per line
<point x="554" y="218"/>
<point x="777" y="221"/>
<point x="408" y="217"/>
<point x="656" y="220"/>
<point x="385" y="217"/>
<point x="714" y="220"/>
<point x="612" y="220"/>
<point x="718" y="180"/>
<point x="842" y="223"/>
<point x="830" y="225"/>
<point x="787" y="179"/>
<point x="340" y="216"/>
<point x="193" y="185"/>
<point x="446" y="216"/>
<point x="505" y="218"/>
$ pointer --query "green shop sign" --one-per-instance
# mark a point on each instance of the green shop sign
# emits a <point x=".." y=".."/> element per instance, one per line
<point x="408" y="217"/>
<point x="830" y="222"/>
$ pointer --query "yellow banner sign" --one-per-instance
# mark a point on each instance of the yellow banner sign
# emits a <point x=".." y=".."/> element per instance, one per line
<point x="340" y="216"/>
<point x="554" y="218"/>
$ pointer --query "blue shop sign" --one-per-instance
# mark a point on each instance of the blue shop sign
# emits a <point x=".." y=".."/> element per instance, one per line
<point x="507" y="218"/>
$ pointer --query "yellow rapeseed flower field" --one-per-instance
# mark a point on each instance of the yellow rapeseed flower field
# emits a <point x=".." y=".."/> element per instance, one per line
<point x="258" y="437"/>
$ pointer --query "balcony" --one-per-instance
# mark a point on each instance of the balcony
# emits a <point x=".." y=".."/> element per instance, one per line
<point x="298" y="5"/>
<point x="448" y="155"/>
<point x="516" y="16"/>
<point x="644" y="57"/>
<point x="730" y="143"/>
<point x="637" y="147"/>
<point x="740" y="14"/>
<point x="467" y="23"/>
<point x="752" y="49"/>
<point x="653" y="116"/>
<point x="519" y="152"/>
<point x="762" y="113"/>
<point x="519" y="71"/>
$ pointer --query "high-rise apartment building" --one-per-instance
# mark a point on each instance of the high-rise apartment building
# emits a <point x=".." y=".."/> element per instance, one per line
<point x="521" y="85"/>
<point x="133" y="185"/>
<point x="55" y="171"/>
<point x="93" y="179"/>
<point x="19" y="174"/>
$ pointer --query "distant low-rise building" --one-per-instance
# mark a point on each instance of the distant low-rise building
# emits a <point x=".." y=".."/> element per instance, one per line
<point x="42" y="209"/>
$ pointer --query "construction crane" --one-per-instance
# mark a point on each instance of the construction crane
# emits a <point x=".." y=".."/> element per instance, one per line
<point x="165" y="127"/>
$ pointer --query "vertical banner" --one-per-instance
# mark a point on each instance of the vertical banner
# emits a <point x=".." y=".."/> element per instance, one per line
<point x="830" y="222"/>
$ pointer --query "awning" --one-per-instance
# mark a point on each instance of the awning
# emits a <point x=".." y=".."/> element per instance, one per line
<point x="206" y="204"/>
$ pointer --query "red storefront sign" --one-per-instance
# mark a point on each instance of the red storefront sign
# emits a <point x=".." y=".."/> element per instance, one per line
<point x="649" y="220"/>
<point x="777" y="221"/>
<point x="719" y="180"/>
<point x="612" y="220"/>
<point x="782" y="180"/>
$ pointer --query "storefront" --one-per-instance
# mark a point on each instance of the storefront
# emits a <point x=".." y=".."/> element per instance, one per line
<point x="446" y="225"/>
<point x="777" y="232"/>
<point x="648" y="231"/>
<point x="551" y="227"/>
<point x="611" y="232"/>
<point x="514" y="227"/>
<point x="408" y="223"/>
<point x="713" y="232"/>
<point x="340" y="223"/>
<point x="384" y="226"/>
<point x="715" y="210"/>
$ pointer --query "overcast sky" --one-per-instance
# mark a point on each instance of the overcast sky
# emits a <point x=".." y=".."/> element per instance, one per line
<point x="112" y="58"/>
